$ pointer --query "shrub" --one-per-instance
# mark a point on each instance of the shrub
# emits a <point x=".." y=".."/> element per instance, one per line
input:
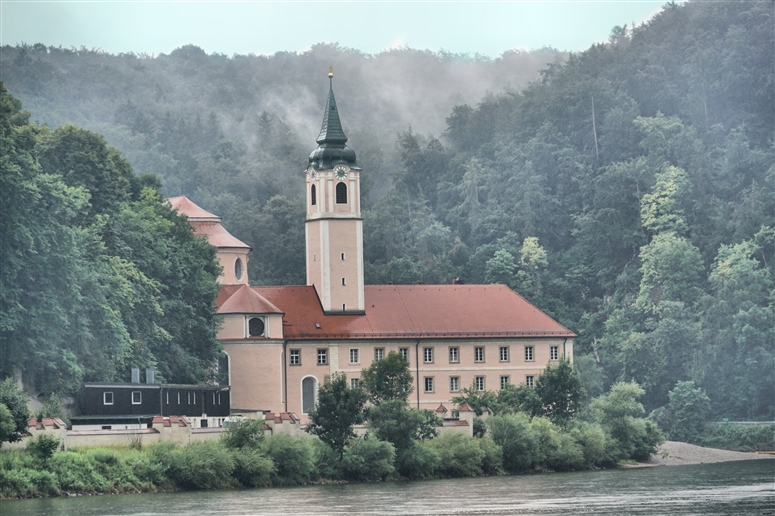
<point x="44" y="446"/>
<point x="368" y="459"/>
<point x="206" y="465"/>
<point x="592" y="440"/>
<point x="292" y="457"/>
<point x="76" y="473"/>
<point x="247" y="433"/>
<point x="417" y="461"/>
<point x="514" y="435"/>
<point x="459" y="455"/>
<point x="688" y="409"/>
<point x="738" y="437"/>
<point x="326" y="460"/>
<point x="252" y="468"/>
<point x="492" y="463"/>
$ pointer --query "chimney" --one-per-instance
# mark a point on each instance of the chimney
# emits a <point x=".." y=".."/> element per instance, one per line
<point x="135" y="375"/>
<point x="457" y="281"/>
<point x="149" y="376"/>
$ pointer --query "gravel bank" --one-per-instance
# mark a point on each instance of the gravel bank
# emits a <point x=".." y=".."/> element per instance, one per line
<point x="673" y="453"/>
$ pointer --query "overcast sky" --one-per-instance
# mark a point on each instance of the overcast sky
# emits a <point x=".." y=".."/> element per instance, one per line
<point x="229" y="28"/>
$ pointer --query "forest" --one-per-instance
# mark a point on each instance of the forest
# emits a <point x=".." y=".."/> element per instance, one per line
<point x="626" y="190"/>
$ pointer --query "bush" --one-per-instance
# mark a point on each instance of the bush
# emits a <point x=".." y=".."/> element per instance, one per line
<point x="738" y="437"/>
<point x="247" y="433"/>
<point x="326" y="460"/>
<point x="459" y="455"/>
<point x="492" y="463"/>
<point x="688" y="410"/>
<point x="592" y="440"/>
<point x="76" y="473"/>
<point x="292" y="457"/>
<point x="368" y="459"/>
<point x="252" y="468"/>
<point x="206" y="465"/>
<point x="43" y="447"/>
<point x="516" y="438"/>
<point x="417" y="461"/>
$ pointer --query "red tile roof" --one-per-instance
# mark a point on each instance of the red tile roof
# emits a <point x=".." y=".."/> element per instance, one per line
<point x="441" y="408"/>
<point x="244" y="300"/>
<point x="54" y="422"/>
<point x="411" y="311"/>
<point x="465" y="407"/>
<point x="206" y="224"/>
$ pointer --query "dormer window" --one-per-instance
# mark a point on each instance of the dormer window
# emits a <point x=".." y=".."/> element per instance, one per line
<point x="256" y="327"/>
<point x="341" y="193"/>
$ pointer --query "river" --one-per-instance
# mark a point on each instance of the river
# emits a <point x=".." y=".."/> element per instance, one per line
<point x="731" y="488"/>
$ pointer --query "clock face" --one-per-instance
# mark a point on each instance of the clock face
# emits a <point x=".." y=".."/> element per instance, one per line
<point x="340" y="172"/>
<point x="313" y="175"/>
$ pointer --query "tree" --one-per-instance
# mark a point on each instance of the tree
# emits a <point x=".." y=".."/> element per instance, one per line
<point x="15" y="402"/>
<point x="688" y="408"/>
<point x="478" y="400"/>
<point x="518" y="398"/>
<point x="338" y="408"/>
<point x="388" y="379"/>
<point x="561" y="392"/>
<point x="393" y="421"/>
<point x="244" y="434"/>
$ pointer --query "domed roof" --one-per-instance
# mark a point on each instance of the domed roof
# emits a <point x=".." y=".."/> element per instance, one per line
<point x="331" y="141"/>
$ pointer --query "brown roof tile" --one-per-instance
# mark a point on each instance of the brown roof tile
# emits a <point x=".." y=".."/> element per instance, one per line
<point x="186" y="207"/>
<point x="244" y="300"/>
<point x="205" y="223"/>
<point x="412" y="311"/>
<point x="465" y="407"/>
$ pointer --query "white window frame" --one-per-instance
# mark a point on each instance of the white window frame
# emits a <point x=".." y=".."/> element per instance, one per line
<point x="379" y="353"/>
<point x="294" y="354"/>
<point x="428" y="384"/>
<point x="454" y="384"/>
<point x="554" y="352"/>
<point x="505" y="380"/>
<point x="140" y="397"/>
<point x="427" y="355"/>
<point x="355" y="383"/>
<point x="322" y="353"/>
<point x="105" y="398"/>
<point x="454" y="355"/>
<point x="530" y="380"/>
<point x="354" y="353"/>
<point x="529" y="354"/>
<point x="479" y="383"/>
<point x="404" y="352"/>
<point x="479" y="350"/>
<point x="503" y="351"/>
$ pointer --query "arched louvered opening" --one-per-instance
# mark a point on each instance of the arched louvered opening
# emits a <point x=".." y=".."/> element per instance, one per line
<point x="341" y="193"/>
<point x="313" y="194"/>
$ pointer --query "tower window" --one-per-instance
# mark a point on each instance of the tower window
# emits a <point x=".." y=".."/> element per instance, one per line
<point x="343" y="282"/>
<point x="341" y="193"/>
<point x="342" y="256"/>
<point x="256" y="327"/>
<point x="313" y="194"/>
<point x="238" y="269"/>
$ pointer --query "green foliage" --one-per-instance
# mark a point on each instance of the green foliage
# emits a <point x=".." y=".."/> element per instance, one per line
<point x="689" y="408"/>
<point x="205" y="465"/>
<point x="478" y="400"/>
<point x="16" y="414"/>
<point x="561" y="392"/>
<point x="292" y="457"/>
<point x="245" y="433"/>
<point x="459" y="455"/>
<point x="730" y="436"/>
<point x="417" y="461"/>
<point x="388" y="379"/>
<point x="518" y="398"/>
<point x="252" y="468"/>
<point x="44" y="446"/>
<point x="513" y="433"/>
<point x="393" y="421"/>
<point x="368" y="460"/>
<point x="338" y="408"/>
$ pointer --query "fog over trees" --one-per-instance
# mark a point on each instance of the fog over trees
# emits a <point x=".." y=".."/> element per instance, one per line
<point x="626" y="190"/>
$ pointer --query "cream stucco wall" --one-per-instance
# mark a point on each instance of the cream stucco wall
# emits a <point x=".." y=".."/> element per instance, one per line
<point x="227" y="257"/>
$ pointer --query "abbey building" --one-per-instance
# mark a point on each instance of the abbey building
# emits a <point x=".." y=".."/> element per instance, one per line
<point x="283" y="341"/>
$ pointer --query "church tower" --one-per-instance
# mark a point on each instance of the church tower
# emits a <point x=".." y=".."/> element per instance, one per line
<point x="334" y="227"/>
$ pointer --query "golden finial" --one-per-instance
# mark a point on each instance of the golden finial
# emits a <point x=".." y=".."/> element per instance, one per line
<point x="330" y="72"/>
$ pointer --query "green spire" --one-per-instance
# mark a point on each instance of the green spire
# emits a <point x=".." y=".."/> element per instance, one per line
<point x="331" y="131"/>
<point x="331" y="140"/>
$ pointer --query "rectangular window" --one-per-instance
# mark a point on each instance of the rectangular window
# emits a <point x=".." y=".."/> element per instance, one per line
<point x="219" y="398"/>
<point x="178" y="397"/>
<point x="213" y="397"/>
<point x="342" y="256"/>
<point x="428" y="384"/>
<point x="343" y="284"/>
<point x="355" y="383"/>
<point x="354" y="356"/>
<point x="504" y="353"/>
<point x="528" y="353"/>
<point x="529" y="381"/>
<point x="554" y="353"/>
<point x="295" y="357"/>
<point x="344" y="307"/>
<point x="454" y="355"/>
<point x="168" y="397"/>
<point x="322" y="356"/>
<point x="379" y="353"/>
<point x="107" y="398"/>
<point x="479" y="383"/>
<point x="404" y="352"/>
<point x="137" y="397"/>
<point x="194" y="396"/>
<point x="478" y="354"/>
<point x="454" y="384"/>
<point x="427" y="354"/>
<point x="505" y="380"/>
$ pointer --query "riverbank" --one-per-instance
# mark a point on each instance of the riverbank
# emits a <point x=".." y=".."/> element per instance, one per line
<point x="674" y="453"/>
